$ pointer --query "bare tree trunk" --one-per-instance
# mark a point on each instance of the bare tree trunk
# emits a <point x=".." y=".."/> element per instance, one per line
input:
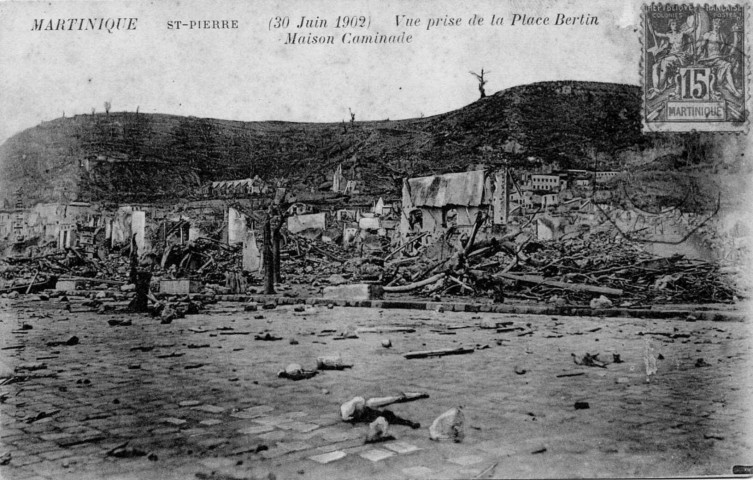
<point x="134" y="260"/>
<point x="269" y="267"/>
<point x="140" y="302"/>
<point x="141" y="280"/>
<point x="276" y="245"/>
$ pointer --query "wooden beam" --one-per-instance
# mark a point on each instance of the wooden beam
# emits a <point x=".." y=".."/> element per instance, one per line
<point x="414" y="286"/>
<point x="576" y="287"/>
<point x="438" y="353"/>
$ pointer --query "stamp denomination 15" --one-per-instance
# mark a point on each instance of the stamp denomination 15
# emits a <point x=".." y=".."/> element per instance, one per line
<point x="694" y="68"/>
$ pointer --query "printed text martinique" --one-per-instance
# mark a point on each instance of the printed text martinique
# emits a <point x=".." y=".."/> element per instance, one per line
<point x="82" y="24"/>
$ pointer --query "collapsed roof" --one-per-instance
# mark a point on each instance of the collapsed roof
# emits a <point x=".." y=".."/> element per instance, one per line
<point x="468" y="189"/>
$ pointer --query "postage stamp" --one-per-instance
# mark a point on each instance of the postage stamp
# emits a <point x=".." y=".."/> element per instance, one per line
<point x="695" y="67"/>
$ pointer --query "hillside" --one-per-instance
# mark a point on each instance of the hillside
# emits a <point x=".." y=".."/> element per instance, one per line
<point x="135" y="157"/>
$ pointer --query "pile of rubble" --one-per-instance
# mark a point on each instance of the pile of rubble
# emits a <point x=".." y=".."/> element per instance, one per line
<point x="312" y="262"/>
<point x="572" y="271"/>
<point x="567" y="272"/>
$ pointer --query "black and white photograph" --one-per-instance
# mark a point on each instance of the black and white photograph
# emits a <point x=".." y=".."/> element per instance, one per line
<point x="330" y="239"/>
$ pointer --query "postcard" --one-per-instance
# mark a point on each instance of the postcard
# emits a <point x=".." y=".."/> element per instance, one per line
<point x="357" y="239"/>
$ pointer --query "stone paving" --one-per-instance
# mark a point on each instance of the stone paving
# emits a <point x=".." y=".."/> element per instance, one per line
<point x="200" y="397"/>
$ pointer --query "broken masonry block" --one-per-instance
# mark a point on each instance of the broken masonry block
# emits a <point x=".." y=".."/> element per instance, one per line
<point x="179" y="287"/>
<point x="68" y="285"/>
<point x="360" y="291"/>
<point x="379" y="431"/>
<point x="601" y="302"/>
<point x="295" y="371"/>
<point x="449" y="426"/>
<point x="331" y="362"/>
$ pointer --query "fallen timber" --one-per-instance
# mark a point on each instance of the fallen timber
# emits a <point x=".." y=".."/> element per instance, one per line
<point x="32" y="287"/>
<point x="539" y="280"/>
<point x="438" y="353"/>
<point x="416" y="285"/>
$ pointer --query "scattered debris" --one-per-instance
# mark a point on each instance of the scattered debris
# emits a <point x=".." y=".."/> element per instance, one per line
<point x="349" y="409"/>
<point x="125" y="451"/>
<point x="296" y="372"/>
<point x="385" y="330"/>
<point x="347" y="333"/>
<point x="119" y="323"/>
<point x="601" y="302"/>
<point x="589" y="360"/>
<point x="31" y="366"/>
<point x="359" y="410"/>
<point x="379" y="431"/>
<point x="649" y="359"/>
<point x="331" y="363"/>
<point x="40" y="416"/>
<point x="488" y="472"/>
<point x="73" y="340"/>
<point x="449" y="426"/>
<point x="224" y="476"/>
<point x="167" y="315"/>
<point x="438" y="353"/>
<point x="255" y="449"/>
<point x="701" y="363"/>
<point x="267" y="337"/>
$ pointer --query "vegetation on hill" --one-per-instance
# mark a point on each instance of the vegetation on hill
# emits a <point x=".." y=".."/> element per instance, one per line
<point x="136" y="157"/>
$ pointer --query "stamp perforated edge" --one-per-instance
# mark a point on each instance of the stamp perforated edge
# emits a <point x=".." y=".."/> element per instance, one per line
<point x="718" y="127"/>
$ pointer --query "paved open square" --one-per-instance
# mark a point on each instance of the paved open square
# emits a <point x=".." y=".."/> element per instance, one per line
<point x="131" y="398"/>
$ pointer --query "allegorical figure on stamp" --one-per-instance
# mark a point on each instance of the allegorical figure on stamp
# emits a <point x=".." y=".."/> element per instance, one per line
<point x="672" y="52"/>
<point x="701" y="41"/>
<point x="714" y="52"/>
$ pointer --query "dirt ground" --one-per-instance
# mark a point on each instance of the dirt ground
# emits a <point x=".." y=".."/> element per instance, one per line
<point x="200" y="397"/>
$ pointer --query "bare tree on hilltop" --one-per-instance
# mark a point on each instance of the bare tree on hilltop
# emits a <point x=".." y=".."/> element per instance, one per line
<point x="481" y="82"/>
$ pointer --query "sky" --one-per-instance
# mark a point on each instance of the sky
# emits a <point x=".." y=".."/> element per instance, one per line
<point x="249" y="73"/>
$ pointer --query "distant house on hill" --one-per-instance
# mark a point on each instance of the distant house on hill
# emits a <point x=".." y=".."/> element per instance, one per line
<point x="338" y="180"/>
<point x="340" y="184"/>
<point x="353" y="187"/>
<point x="603" y="177"/>
<point x="545" y="182"/>
<point x="581" y="182"/>
<point x="246" y="186"/>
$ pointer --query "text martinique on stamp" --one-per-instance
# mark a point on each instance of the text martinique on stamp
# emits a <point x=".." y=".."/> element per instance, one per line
<point x="694" y="68"/>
